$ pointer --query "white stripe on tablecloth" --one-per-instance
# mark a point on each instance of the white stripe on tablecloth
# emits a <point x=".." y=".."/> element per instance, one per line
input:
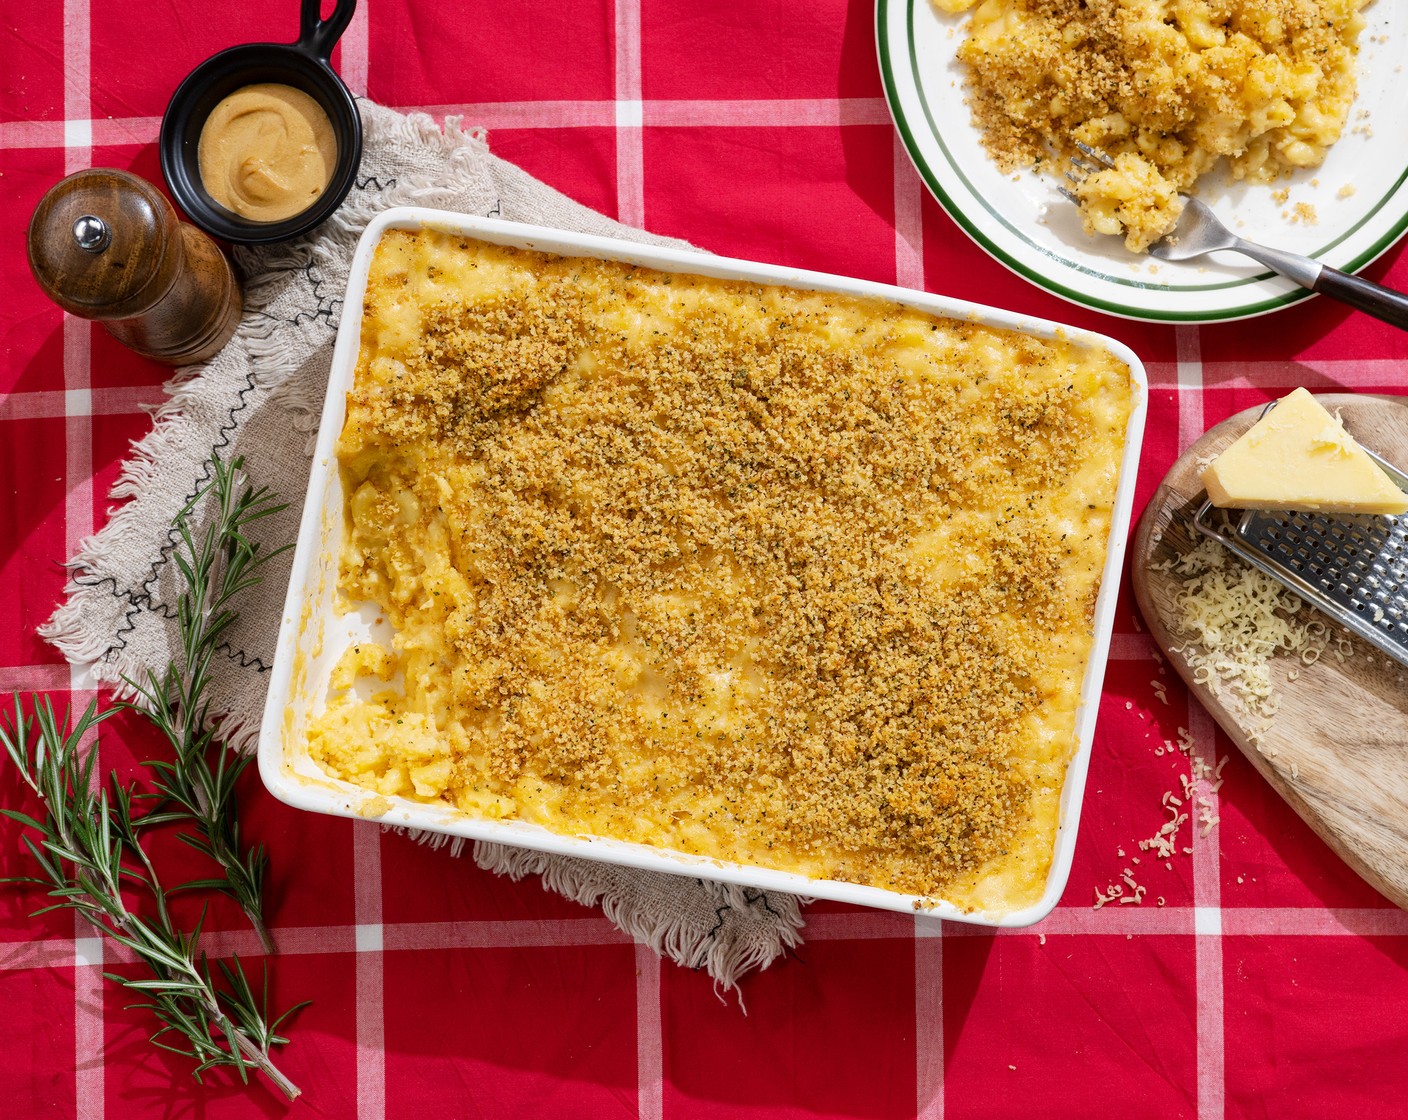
<point x="1207" y="888"/>
<point x="88" y="1033"/>
<point x="1327" y="375"/>
<point x="525" y="114"/>
<point x="1066" y="921"/>
<point x="77" y="411"/>
<point x="1190" y="385"/>
<point x="909" y="221"/>
<point x="630" y="138"/>
<point x="1365" y="921"/>
<point x="77" y="82"/>
<point x="53" y="404"/>
<point x="630" y="209"/>
<point x="80" y="132"/>
<point x="34" y="678"/>
<point x="369" y="940"/>
<point x="354" y="48"/>
<point x="800" y="112"/>
<point x="51" y="952"/>
<point x="781" y="113"/>
<point x="88" y="1023"/>
<point x="1207" y="902"/>
<point x="502" y="934"/>
<point x="78" y="433"/>
<point x="32" y="134"/>
<point x="78" y="139"/>
<point x="293" y="941"/>
<point x="650" y="1057"/>
<point x="1147" y="920"/>
<point x="1324" y="375"/>
<point x="928" y="1019"/>
<point x="928" y="936"/>
<point x="130" y="399"/>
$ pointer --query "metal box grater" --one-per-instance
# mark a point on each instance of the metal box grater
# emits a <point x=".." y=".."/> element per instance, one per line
<point x="1354" y="568"/>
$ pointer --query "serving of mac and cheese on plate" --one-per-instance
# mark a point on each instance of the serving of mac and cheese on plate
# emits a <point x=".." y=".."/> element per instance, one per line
<point x="797" y="582"/>
<point x="1166" y="89"/>
<point x="1277" y="113"/>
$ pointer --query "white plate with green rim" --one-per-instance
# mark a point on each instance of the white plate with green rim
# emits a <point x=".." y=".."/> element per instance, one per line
<point x="1358" y="197"/>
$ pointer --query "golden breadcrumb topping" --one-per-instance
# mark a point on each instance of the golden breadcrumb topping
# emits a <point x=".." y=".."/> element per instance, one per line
<point x="789" y="578"/>
<point x="1171" y="86"/>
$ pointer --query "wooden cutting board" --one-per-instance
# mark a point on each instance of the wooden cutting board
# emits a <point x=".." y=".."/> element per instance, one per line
<point x="1337" y="750"/>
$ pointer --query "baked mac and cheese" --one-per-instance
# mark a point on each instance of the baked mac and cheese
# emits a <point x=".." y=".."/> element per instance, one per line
<point x="1166" y="87"/>
<point x="793" y="579"/>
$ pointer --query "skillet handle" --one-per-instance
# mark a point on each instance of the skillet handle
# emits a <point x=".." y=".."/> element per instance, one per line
<point x="1373" y="299"/>
<point x="318" y="36"/>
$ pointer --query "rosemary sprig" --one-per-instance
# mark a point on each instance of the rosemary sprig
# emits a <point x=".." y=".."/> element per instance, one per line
<point x="198" y="783"/>
<point x="89" y="853"/>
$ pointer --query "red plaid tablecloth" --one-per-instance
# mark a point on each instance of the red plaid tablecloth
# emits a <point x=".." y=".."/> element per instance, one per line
<point x="1271" y="982"/>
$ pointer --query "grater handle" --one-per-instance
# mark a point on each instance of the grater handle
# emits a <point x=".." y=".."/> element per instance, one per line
<point x="1202" y="522"/>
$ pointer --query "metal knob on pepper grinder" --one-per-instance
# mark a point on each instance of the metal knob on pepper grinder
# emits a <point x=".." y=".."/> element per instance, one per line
<point x="107" y="245"/>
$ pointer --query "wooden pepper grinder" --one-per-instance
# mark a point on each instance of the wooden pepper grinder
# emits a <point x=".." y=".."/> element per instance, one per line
<point x="106" y="245"/>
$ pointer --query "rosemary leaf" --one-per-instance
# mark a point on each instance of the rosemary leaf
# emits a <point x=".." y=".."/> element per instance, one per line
<point x="198" y="782"/>
<point x="87" y="848"/>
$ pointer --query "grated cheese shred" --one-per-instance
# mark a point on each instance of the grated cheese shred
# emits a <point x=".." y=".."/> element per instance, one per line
<point x="1233" y="619"/>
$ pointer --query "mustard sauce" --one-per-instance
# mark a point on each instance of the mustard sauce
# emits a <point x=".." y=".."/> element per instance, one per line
<point x="267" y="152"/>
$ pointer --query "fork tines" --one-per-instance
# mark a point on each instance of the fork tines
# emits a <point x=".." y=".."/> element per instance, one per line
<point x="1094" y="153"/>
<point x="1085" y="171"/>
<point x="1081" y="169"/>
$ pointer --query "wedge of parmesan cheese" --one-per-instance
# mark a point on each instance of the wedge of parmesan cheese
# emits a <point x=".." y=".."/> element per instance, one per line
<point x="1299" y="457"/>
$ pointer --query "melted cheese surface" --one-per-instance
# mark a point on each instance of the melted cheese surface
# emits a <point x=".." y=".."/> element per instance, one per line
<point x="792" y="579"/>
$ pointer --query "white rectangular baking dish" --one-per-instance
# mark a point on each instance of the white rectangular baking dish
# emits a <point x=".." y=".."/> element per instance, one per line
<point x="313" y="635"/>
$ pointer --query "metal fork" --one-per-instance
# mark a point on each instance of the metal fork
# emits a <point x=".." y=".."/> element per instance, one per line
<point x="1198" y="231"/>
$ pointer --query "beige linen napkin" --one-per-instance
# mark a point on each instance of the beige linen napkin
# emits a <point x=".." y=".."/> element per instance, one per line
<point x="260" y="398"/>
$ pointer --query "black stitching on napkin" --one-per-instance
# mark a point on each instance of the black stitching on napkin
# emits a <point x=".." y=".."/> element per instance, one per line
<point x="372" y="183"/>
<point x="328" y="309"/>
<point x="142" y="599"/>
<point x="719" y="913"/>
<point x="138" y="599"/>
<point x="752" y="897"/>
